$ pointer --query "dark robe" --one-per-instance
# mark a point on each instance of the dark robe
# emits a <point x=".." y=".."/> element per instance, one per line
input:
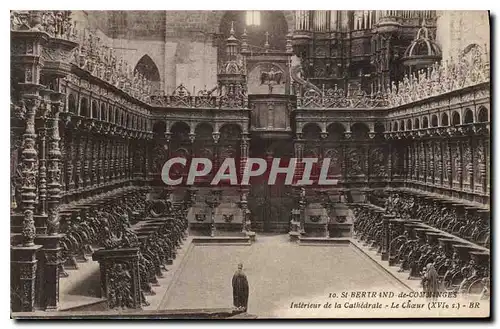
<point x="431" y="282"/>
<point x="240" y="289"/>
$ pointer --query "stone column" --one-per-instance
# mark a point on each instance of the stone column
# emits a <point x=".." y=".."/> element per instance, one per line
<point x="423" y="158"/>
<point x="119" y="156"/>
<point x="409" y="152"/>
<point x="244" y="209"/>
<point x="439" y="162"/>
<point x="244" y="152"/>
<point x="147" y="154"/>
<point x="480" y="161"/>
<point x="447" y="146"/>
<point x="389" y="159"/>
<point x="122" y="155"/>
<point x="23" y="257"/>
<point x="94" y="164"/>
<point x="50" y="242"/>
<point x="79" y="159"/>
<point x="70" y="155"/>
<point x="107" y="157"/>
<point x="42" y="169"/>
<point x="87" y="154"/>
<point x="128" y="162"/>
<point x="431" y="161"/>
<point x="458" y="154"/>
<point x="112" y="159"/>
<point x="468" y="163"/>
<point x="215" y="160"/>
<point x="101" y="155"/>
<point x="298" y="153"/>
<point x="302" y="209"/>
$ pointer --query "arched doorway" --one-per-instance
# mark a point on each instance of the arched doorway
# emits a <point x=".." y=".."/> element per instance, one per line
<point x="270" y="205"/>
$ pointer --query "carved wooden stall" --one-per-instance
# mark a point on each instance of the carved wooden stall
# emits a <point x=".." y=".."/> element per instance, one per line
<point x="89" y="140"/>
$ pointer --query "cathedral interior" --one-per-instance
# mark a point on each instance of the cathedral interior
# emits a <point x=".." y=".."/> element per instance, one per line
<point x="399" y="101"/>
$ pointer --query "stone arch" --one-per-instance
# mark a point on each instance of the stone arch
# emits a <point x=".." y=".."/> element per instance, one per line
<point x="238" y="124"/>
<point x="444" y="120"/>
<point x="133" y="121"/>
<point x="425" y="122"/>
<point x="379" y="128"/>
<point x="180" y="133"/>
<point x="203" y="130"/>
<point x="434" y="120"/>
<point x="402" y="125"/>
<point x="111" y="113"/>
<point x="337" y="125"/>
<point x="311" y="131"/>
<point x="395" y="126"/>
<point x="335" y="131"/>
<point x="408" y="124"/>
<point x="482" y="114"/>
<point x="104" y="113"/>
<point x="84" y="107"/>
<point x="180" y="126"/>
<point x="72" y="108"/>
<point x="127" y="120"/>
<point x="95" y="110"/>
<point x="468" y="116"/>
<point x="118" y="115"/>
<point x="360" y="130"/>
<point x="230" y="131"/>
<point x="416" y="124"/>
<point x="455" y="118"/>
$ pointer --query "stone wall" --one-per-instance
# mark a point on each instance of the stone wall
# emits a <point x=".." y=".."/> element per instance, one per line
<point x="458" y="29"/>
<point x="182" y="43"/>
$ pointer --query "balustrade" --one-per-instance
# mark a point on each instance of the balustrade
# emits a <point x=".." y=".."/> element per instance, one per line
<point x="471" y="68"/>
<point x="338" y="98"/>
<point x="219" y="97"/>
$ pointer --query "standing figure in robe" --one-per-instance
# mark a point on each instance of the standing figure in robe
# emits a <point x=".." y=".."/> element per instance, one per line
<point x="240" y="289"/>
<point x="431" y="286"/>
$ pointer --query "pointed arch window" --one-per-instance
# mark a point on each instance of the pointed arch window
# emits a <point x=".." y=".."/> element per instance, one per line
<point x="147" y="67"/>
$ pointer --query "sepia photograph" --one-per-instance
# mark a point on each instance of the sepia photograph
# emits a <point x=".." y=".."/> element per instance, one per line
<point x="250" y="164"/>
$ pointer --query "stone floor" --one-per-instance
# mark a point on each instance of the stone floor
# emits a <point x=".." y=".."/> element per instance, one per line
<point x="279" y="273"/>
<point x="81" y="287"/>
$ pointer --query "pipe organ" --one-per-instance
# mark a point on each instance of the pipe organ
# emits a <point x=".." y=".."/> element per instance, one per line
<point x="354" y="49"/>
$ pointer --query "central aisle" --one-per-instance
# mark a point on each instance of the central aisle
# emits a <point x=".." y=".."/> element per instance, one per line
<point x="278" y="271"/>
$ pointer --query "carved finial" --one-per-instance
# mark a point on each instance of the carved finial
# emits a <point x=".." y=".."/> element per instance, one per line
<point x="423" y="30"/>
<point x="289" y="47"/>
<point x="244" y="43"/>
<point x="232" y="28"/>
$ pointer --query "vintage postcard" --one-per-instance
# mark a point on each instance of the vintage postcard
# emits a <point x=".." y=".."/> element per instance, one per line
<point x="250" y="164"/>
